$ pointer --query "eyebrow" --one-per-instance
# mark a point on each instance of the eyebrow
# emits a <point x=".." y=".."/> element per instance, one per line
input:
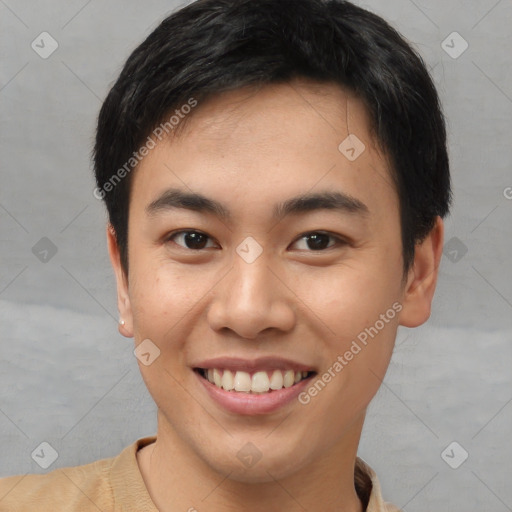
<point x="308" y="202"/>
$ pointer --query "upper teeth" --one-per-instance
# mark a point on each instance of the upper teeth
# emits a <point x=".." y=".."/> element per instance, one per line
<point x="260" y="382"/>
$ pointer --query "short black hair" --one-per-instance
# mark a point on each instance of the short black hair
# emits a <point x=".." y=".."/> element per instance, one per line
<point x="213" y="46"/>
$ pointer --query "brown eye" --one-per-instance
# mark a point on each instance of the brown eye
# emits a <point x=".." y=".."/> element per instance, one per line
<point x="318" y="241"/>
<point x="193" y="240"/>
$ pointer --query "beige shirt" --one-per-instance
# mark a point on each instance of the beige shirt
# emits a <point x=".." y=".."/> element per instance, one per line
<point x="116" y="485"/>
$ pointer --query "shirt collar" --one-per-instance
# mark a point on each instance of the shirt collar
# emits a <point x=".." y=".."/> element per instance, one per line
<point x="131" y="494"/>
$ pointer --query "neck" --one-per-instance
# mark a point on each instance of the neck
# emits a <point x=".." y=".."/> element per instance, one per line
<point x="179" y="480"/>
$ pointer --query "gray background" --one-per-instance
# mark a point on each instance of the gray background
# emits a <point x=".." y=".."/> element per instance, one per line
<point x="68" y="378"/>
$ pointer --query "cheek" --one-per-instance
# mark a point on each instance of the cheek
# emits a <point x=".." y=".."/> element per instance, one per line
<point x="351" y="296"/>
<point x="358" y="306"/>
<point x="163" y="294"/>
<point x="155" y="298"/>
<point x="160" y="301"/>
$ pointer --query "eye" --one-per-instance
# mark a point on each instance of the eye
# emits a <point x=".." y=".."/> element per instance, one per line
<point x="194" y="240"/>
<point x="315" y="240"/>
<point x="319" y="240"/>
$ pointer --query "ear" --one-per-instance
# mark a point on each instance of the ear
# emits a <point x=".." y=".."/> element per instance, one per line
<point x="422" y="278"/>
<point x="123" y="297"/>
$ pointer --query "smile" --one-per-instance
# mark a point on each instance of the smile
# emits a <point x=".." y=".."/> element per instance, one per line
<point x="255" y="391"/>
<point x="263" y="381"/>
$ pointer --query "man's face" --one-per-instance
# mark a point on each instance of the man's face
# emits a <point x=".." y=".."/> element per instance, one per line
<point x="255" y="292"/>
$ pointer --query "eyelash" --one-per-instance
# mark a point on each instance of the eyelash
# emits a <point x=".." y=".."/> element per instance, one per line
<point x="338" y="240"/>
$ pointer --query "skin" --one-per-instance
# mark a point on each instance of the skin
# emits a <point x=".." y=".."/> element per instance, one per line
<point x="250" y="150"/>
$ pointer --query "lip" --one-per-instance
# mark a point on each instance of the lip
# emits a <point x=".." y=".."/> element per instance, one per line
<point x="252" y="404"/>
<point x="252" y="365"/>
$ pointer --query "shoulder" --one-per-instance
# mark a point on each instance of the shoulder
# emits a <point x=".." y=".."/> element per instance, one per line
<point x="369" y="489"/>
<point x="86" y="487"/>
<point x="109" y="484"/>
<point x="389" y="507"/>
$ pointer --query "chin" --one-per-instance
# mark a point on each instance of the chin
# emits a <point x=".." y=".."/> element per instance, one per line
<point x="252" y="466"/>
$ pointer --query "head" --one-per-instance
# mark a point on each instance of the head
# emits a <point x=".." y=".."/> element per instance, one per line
<point x="263" y="128"/>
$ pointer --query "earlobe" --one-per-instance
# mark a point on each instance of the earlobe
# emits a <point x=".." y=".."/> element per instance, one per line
<point x="125" y="324"/>
<point x="422" y="278"/>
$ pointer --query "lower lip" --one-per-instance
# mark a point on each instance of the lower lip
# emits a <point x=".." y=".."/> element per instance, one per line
<point x="252" y="403"/>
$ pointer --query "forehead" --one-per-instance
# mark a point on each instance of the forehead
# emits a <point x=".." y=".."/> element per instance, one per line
<point x="256" y="147"/>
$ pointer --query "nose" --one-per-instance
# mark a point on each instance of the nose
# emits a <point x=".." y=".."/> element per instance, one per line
<point x="252" y="298"/>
